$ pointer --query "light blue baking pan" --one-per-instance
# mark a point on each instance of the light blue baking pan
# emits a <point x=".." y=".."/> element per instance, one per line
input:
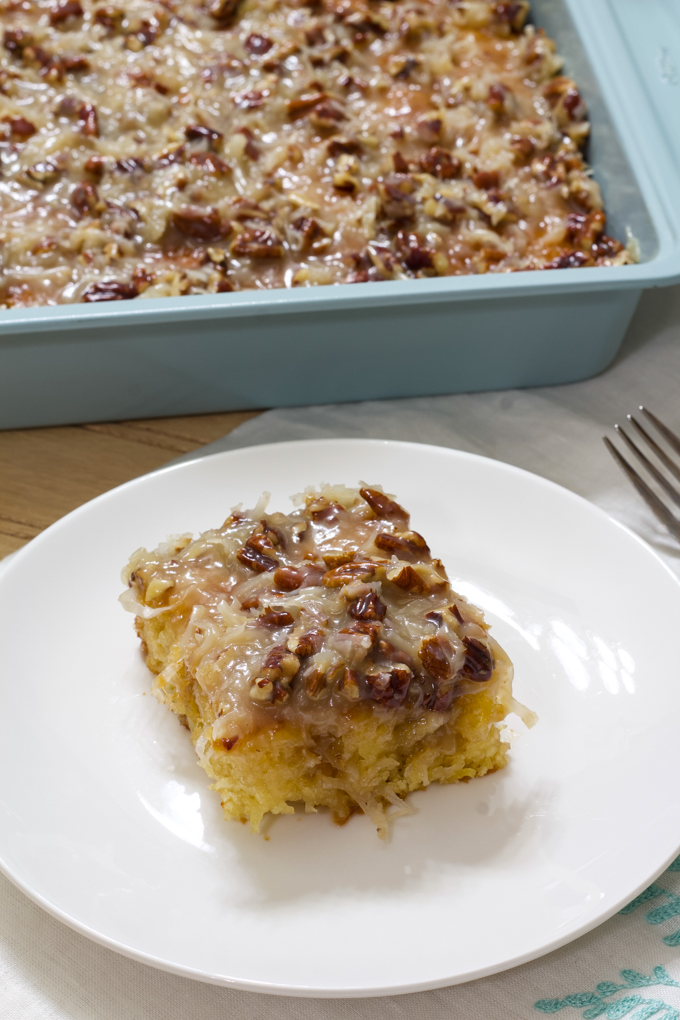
<point x="405" y="338"/>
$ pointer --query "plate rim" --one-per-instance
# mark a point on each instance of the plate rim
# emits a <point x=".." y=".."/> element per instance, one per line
<point x="310" y="991"/>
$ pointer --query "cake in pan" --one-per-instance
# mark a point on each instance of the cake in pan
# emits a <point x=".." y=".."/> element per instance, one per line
<point x="321" y="658"/>
<point x="163" y="148"/>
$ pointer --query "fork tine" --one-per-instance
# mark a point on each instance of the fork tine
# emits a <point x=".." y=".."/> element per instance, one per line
<point x="656" y="474"/>
<point x="669" y="436"/>
<point x="661" y="454"/>
<point x="650" y="498"/>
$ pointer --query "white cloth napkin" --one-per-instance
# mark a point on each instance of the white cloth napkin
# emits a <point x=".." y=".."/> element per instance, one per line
<point x="629" y="966"/>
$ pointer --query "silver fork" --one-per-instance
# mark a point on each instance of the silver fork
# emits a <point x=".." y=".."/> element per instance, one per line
<point x="655" y="504"/>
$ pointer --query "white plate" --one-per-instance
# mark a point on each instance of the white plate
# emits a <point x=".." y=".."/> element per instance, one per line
<point x="107" y="821"/>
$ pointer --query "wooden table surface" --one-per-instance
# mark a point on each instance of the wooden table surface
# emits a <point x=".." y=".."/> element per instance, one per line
<point x="47" y="472"/>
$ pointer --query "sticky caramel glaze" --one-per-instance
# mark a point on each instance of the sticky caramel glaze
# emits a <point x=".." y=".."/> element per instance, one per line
<point x="175" y="148"/>
<point x="311" y="617"/>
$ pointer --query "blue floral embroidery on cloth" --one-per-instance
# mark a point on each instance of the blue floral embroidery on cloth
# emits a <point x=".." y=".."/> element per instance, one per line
<point x="596" y="1005"/>
<point x="671" y="908"/>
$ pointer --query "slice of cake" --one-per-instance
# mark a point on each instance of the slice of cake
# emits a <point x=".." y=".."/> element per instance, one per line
<point x="321" y="657"/>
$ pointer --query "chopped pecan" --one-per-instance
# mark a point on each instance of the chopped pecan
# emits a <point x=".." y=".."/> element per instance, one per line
<point x="109" y="290"/>
<point x="74" y="64"/>
<point x="485" y="179"/>
<point x="84" y="198"/>
<point x="365" y="627"/>
<point x="280" y="664"/>
<point x="303" y="104"/>
<point x="326" y="116"/>
<point x="367" y="607"/>
<point x="399" y="163"/>
<point x="95" y="165"/>
<point x="258" y="243"/>
<point x="348" y="684"/>
<point x="407" y="577"/>
<point x="364" y="570"/>
<point x="43" y="173"/>
<point x="430" y="127"/>
<point x="309" y="229"/>
<point x="226" y="743"/>
<point x="64" y="10"/>
<point x="129" y="164"/>
<point x="497" y="98"/>
<point x="89" y="122"/>
<point x="456" y="613"/>
<point x="256" y="560"/>
<point x="388" y="651"/>
<point x="204" y="224"/>
<point x="512" y="14"/>
<point x="570" y="260"/>
<point x="258" y="45"/>
<point x="434" y="658"/>
<point x="199" y="132"/>
<point x="434" y="617"/>
<point x="305" y="644"/>
<point x="275" y="616"/>
<point x="15" y="40"/>
<point x="316" y="684"/>
<point x="223" y="10"/>
<point x="402" y="545"/>
<point x="389" y="686"/>
<point x="401" y="65"/>
<point x="261" y="690"/>
<point x="20" y="128"/>
<point x="382" y="506"/>
<point x="110" y="18"/>
<point x="252" y="99"/>
<point x="396" y="204"/>
<point x="479" y="664"/>
<point x="251" y="150"/>
<point x="440" y="163"/>
<point x="210" y="162"/>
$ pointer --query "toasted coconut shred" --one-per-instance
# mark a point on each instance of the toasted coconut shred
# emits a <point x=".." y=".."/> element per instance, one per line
<point x="321" y="658"/>
<point x="159" y="149"/>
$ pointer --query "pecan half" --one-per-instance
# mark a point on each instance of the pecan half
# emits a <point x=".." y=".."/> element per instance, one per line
<point x="256" y="560"/>
<point x="204" y="224"/>
<point x="367" y="607"/>
<point x="400" y="545"/>
<point x="479" y="664"/>
<point x="382" y="506"/>
<point x="365" y="570"/>
<point x="434" y="658"/>
<point x="288" y="578"/>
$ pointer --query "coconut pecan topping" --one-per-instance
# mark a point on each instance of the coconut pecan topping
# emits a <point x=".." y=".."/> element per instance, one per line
<point x="329" y="142"/>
